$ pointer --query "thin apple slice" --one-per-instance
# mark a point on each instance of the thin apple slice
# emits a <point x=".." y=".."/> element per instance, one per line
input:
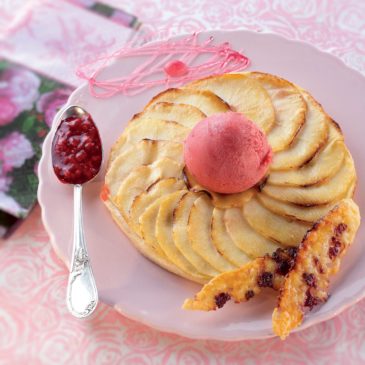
<point x="325" y="164"/>
<point x="140" y="179"/>
<point x="156" y="190"/>
<point x="206" y="101"/>
<point x="199" y="230"/>
<point x="225" y="201"/>
<point x="223" y="241"/>
<point x="325" y="192"/>
<point x="184" y="114"/>
<point x="335" y="132"/>
<point x="308" y="214"/>
<point x="147" y="250"/>
<point x="244" y="237"/>
<point x="286" y="232"/>
<point x="293" y="211"/>
<point x="318" y="258"/>
<point x="350" y="193"/>
<point x="154" y="129"/>
<point x="181" y="237"/>
<point x="308" y="141"/>
<point x="222" y="201"/>
<point x="164" y="234"/>
<point x="147" y="222"/>
<point x="144" y="152"/>
<point x="290" y="109"/>
<point x="243" y="94"/>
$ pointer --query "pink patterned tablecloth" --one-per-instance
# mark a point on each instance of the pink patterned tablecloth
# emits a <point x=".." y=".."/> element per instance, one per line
<point x="35" y="327"/>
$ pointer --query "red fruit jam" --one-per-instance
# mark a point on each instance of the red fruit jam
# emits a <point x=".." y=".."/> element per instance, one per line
<point x="76" y="150"/>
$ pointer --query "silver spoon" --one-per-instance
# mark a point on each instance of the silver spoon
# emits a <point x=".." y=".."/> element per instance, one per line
<point x="82" y="294"/>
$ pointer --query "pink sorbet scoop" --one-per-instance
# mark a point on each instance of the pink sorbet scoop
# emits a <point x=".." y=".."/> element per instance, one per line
<point x="227" y="153"/>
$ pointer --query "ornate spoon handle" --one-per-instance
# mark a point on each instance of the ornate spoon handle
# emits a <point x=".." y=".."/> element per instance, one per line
<point x="82" y="295"/>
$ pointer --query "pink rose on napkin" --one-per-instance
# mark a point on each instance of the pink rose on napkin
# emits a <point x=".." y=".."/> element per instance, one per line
<point x="8" y="110"/>
<point x="21" y="87"/>
<point x="5" y="182"/>
<point x="49" y="103"/>
<point x="16" y="148"/>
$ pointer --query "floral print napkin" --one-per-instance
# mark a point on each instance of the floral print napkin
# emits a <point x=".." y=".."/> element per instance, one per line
<point x="117" y="15"/>
<point x="28" y="102"/>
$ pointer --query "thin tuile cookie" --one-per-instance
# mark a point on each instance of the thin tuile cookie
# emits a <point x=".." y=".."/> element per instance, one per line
<point x="318" y="258"/>
<point x="244" y="283"/>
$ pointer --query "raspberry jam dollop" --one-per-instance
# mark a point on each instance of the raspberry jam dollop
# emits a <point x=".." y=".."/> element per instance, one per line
<point x="76" y="150"/>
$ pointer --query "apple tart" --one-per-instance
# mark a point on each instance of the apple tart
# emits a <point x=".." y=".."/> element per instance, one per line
<point x="197" y="233"/>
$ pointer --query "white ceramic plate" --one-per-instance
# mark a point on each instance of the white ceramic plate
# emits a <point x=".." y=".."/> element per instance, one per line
<point x="143" y="291"/>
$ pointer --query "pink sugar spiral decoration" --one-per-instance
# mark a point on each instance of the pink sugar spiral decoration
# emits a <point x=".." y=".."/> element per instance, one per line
<point x="156" y="59"/>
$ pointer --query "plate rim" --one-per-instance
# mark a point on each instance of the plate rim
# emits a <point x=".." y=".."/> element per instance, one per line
<point x="310" y="320"/>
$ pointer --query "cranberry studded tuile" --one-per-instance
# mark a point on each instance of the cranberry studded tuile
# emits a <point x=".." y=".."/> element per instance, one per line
<point x="265" y="280"/>
<point x="340" y="228"/>
<point x="335" y="248"/>
<point x="310" y="300"/>
<point x="221" y="299"/>
<point x="336" y="245"/>
<point x="76" y="150"/>
<point x="249" y="294"/>
<point x="309" y="279"/>
<point x="318" y="265"/>
<point x="285" y="259"/>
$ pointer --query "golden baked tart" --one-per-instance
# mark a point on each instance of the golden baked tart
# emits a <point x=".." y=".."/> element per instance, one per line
<point x="178" y="189"/>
